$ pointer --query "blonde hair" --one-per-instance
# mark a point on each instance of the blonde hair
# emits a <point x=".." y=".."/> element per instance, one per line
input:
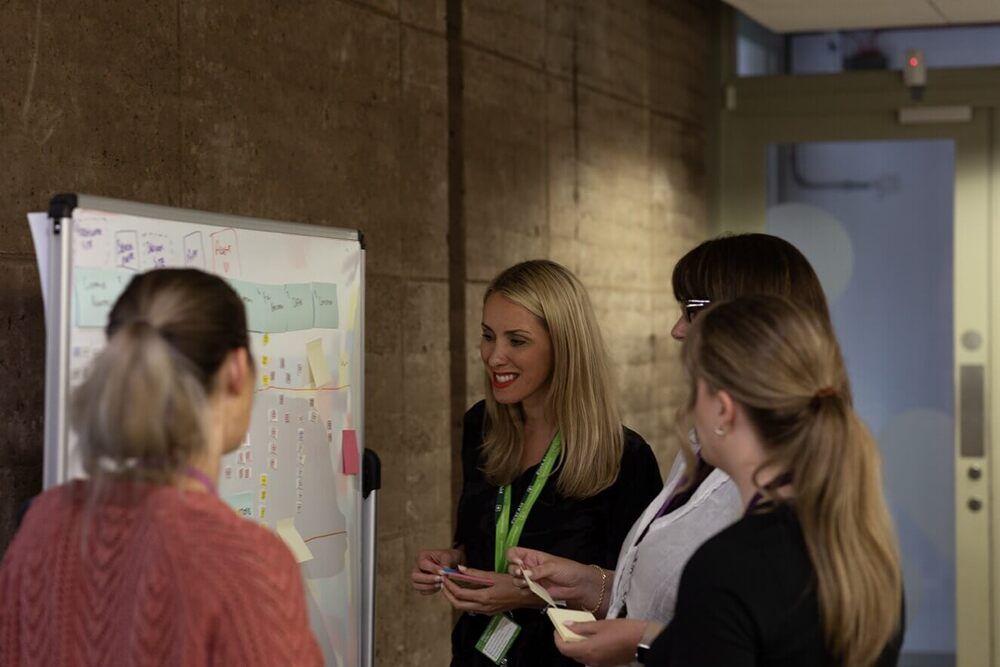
<point x="581" y="398"/>
<point x="139" y="414"/>
<point x="783" y="365"/>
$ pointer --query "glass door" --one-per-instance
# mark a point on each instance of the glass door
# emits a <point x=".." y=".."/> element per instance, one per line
<point x="896" y="221"/>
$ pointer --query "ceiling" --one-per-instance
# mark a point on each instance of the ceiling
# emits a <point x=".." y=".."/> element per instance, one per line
<point x="822" y="15"/>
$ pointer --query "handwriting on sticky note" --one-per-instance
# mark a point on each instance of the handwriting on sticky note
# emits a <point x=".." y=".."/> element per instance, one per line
<point x="95" y="292"/>
<point x="242" y="503"/>
<point x="300" y="305"/>
<point x="559" y="618"/>
<point x="327" y="312"/>
<point x="318" y="366"/>
<point x="293" y="540"/>
<point x="349" y="452"/>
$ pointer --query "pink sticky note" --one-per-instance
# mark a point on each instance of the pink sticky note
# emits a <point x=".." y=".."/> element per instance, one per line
<point x="349" y="449"/>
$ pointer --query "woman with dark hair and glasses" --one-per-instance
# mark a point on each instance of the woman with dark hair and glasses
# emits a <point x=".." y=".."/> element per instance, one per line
<point x="695" y="504"/>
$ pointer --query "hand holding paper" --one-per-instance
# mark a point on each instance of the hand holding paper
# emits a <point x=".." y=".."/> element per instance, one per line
<point x="503" y="595"/>
<point x="602" y="643"/>
<point x="577" y="584"/>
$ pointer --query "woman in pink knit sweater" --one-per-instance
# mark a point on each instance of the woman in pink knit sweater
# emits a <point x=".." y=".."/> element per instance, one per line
<point x="143" y="564"/>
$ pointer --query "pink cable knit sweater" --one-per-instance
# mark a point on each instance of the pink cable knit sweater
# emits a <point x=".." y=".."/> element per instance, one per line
<point x="149" y="575"/>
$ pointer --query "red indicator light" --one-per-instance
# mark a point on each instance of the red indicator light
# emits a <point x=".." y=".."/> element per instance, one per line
<point x="914" y="61"/>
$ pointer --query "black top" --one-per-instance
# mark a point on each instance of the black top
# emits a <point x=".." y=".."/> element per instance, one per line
<point x="748" y="597"/>
<point x="587" y="531"/>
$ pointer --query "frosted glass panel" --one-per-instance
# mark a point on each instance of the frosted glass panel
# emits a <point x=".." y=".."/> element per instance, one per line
<point x="875" y="219"/>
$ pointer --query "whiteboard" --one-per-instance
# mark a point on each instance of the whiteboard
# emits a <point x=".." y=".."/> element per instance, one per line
<point x="298" y="469"/>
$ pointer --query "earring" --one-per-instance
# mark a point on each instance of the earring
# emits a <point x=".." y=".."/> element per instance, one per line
<point x="719" y="431"/>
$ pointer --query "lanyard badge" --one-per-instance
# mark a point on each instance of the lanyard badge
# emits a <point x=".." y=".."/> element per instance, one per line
<point x="500" y="634"/>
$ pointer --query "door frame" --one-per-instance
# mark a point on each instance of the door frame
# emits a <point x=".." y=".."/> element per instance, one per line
<point x="863" y="106"/>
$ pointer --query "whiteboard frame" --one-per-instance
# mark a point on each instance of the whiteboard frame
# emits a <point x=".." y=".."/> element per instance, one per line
<point x="58" y="320"/>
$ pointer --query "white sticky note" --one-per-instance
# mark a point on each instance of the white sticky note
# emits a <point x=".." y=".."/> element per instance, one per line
<point x="317" y="363"/>
<point x="560" y="616"/>
<point x="290" y="535"/>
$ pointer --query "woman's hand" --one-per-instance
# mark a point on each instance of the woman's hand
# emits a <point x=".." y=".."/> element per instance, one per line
<point x="426" y="575"/>
<point x="608" y="642"/>
<point x="577" y="584"/>
<point x="503" y="595"/>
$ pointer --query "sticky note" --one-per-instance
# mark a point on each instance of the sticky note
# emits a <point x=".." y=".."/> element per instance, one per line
<point x="560" y="616"/>
<point x="317" y="363"/>
<point x="253" y="302"/>
<point x="275" y="307"/>
<point x="300" y="306"/>
<point x="290" y="535"/>
<point x="327" y="313"/>
<point x="540" y="592"/>
<point x="349" y="452"/>
<point x="96" y="291"/>
<point x="242" y="503"/>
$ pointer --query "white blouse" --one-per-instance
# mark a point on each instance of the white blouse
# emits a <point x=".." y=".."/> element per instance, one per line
<point x="649" y="573"/>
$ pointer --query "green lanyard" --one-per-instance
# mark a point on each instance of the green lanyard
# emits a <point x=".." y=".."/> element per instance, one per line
<point x="509" y="532"/>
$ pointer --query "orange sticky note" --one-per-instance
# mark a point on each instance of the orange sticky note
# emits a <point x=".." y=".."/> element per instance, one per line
<point x="349" y="449"/>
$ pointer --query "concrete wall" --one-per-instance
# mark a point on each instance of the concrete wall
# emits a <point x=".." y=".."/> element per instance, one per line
<point x="560" y="128"/>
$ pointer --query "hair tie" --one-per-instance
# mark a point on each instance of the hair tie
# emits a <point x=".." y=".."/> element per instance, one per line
<point x="825" y="392"/>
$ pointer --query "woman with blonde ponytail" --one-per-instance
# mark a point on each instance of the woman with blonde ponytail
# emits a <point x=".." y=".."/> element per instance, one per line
<point x="811" y="574"/>
<point x="546" y="463"/>
<point x="142" y="563"/>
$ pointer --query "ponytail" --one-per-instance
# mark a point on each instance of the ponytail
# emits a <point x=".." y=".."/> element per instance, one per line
<point x="783" y="365"/>
<point x="848" y="531"/>
<point x="140" y="410"/>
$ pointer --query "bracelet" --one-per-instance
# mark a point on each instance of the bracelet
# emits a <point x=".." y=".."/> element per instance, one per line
<point x="604" y="583"/>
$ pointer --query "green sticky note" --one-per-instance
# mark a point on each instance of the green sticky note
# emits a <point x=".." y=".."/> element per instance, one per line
<point x="242" y="503"/>
<point x="325" y="304"/>
<point x="300" y="307"/>
<point x="96" y="291"/>
<point x="253" y="302"/>
<point x="275" y="307"/>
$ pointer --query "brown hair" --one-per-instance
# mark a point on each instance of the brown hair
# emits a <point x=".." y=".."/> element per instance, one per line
<point x="139" y="413"/>
<point x="581" y="399"/>
<point x="783" y="365"/>
<point x="737" y="265"/>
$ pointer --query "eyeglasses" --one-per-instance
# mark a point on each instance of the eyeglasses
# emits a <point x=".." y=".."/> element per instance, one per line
<point x="693" y="306"/>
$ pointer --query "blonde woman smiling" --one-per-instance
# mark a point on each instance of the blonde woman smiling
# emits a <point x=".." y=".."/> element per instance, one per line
<point x="546" y="464"/>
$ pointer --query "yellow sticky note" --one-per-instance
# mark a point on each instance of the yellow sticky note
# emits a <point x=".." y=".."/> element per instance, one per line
<point x="540" y="592"/>
<point x="266" y="379"/>
<point x="317" y="363"/>
<point x="263" y="480"/>
<point x="290" y="535"/>
<point x="560" y="616"/>
<point x="267" y="339"/>
<point x="263" y="360"/>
